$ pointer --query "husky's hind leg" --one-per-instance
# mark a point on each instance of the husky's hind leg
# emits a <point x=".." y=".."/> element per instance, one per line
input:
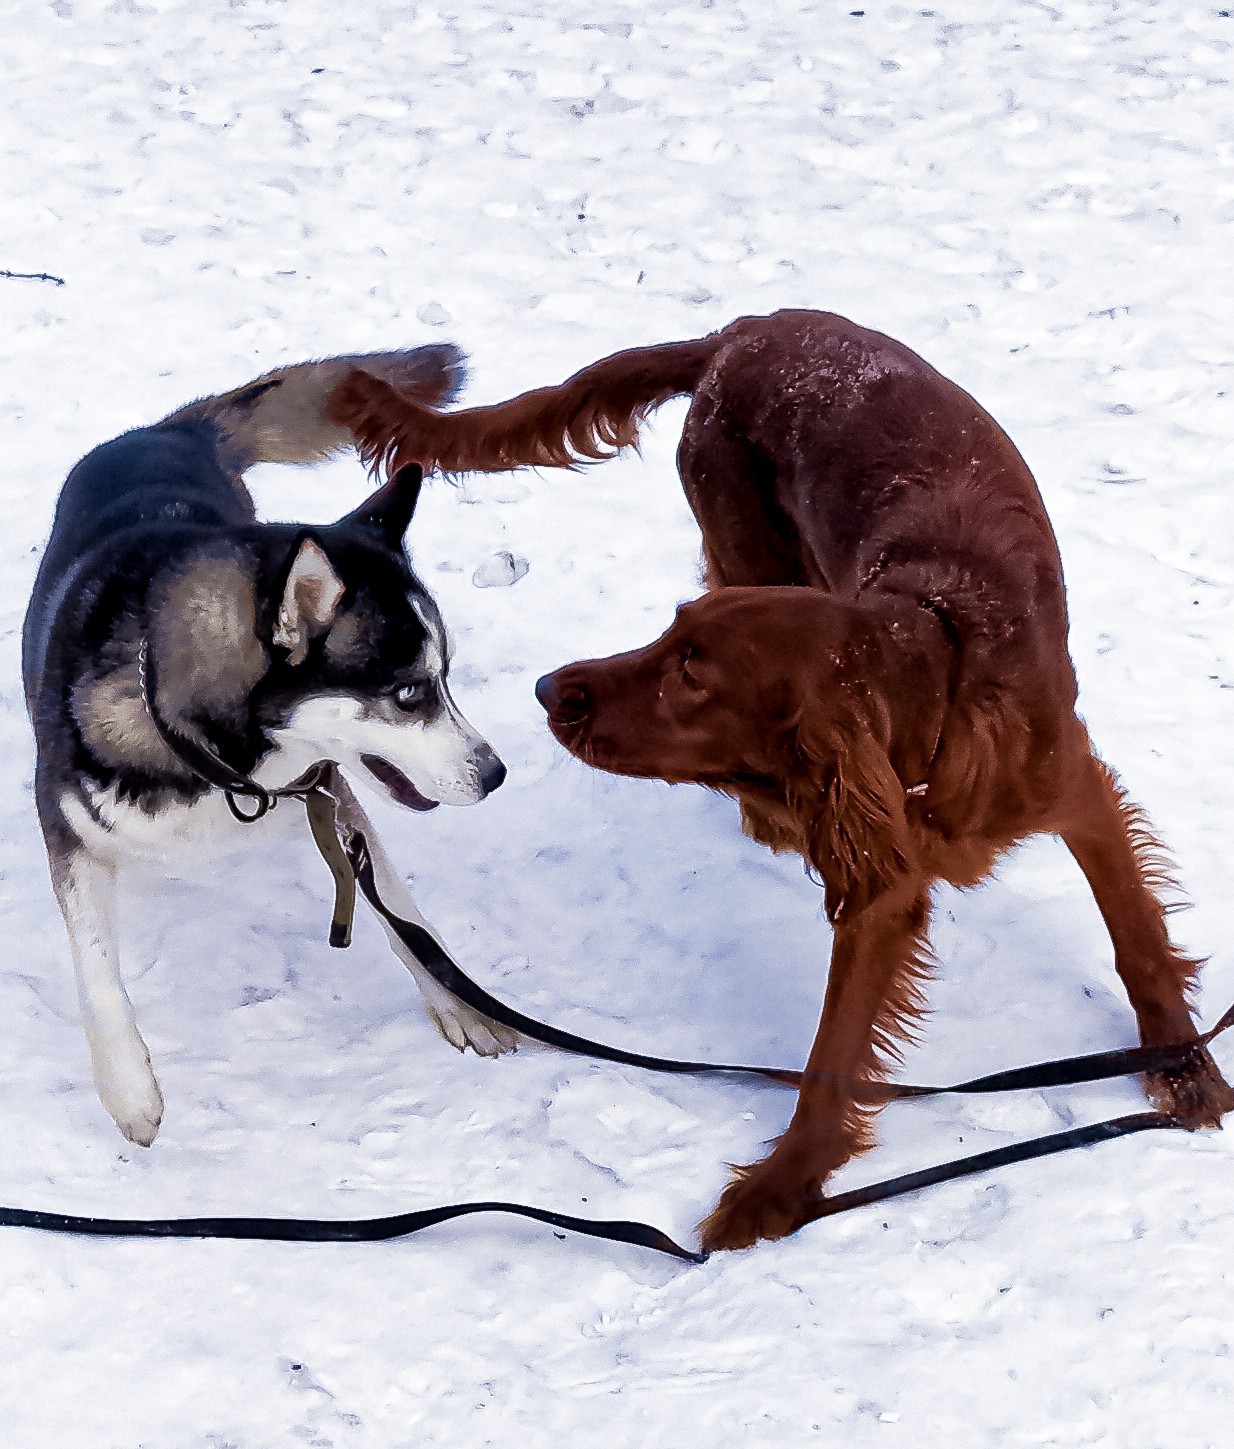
<point x="86" y="890"/>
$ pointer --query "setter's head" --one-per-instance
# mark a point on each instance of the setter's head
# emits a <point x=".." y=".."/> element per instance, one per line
<point x="708" y="700"/>
<point x="782" y="695"/>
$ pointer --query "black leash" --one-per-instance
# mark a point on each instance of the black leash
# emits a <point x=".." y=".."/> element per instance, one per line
<point x="642" y="1235"/>
<point x="907" y="1182"/>
<point x="1091" y="1067"/>
<point x="340" y="1230"/>
<point x="350" y="865"/>
<point x="1064" y="1071"/>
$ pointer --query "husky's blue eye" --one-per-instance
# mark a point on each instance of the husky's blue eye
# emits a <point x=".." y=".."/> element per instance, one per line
<point x="412" y="696"/>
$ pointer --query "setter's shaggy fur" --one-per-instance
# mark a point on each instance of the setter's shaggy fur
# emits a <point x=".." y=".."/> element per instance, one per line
<point x="879" y="675"/>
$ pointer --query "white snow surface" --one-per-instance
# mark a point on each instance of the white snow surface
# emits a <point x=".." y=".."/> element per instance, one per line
<point x="1037" y="197"/>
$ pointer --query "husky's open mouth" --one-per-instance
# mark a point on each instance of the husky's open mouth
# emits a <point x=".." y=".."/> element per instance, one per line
<point x="397" y="783"/>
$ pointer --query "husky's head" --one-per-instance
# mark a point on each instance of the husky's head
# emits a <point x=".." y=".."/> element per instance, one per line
<point x="359" y="660"/>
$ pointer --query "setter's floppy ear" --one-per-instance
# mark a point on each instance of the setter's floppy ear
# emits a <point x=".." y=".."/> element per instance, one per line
<point x="851" y="806"/>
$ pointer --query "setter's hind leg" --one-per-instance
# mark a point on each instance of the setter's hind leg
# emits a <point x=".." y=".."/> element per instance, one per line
<point x="730" y="485"/>
<point x="1123" y="863"/>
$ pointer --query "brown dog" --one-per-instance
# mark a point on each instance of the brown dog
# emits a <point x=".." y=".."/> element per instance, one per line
<point x="879" y="676"/>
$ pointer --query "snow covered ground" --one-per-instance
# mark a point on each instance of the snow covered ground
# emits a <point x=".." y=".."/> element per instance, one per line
<point x="1040" y="199"/>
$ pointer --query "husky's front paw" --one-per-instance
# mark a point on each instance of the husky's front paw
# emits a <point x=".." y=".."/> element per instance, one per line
<point x="464" y="1027"/>
<point x="132" y="1099"/>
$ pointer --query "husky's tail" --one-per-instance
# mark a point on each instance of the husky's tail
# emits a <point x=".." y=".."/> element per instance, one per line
<point x="592" y="416"/>
<point x="281" y="417"/>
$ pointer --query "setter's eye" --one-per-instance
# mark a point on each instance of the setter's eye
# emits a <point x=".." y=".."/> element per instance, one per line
<point x="689" y="670"/>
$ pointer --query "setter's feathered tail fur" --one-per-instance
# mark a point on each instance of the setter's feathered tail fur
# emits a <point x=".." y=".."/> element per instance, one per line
<point x="282" y="416"/>
<point x="591" y="416"/>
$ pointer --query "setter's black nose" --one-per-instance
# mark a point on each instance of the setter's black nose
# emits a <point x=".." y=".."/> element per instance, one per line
<point x="566" y="703"/>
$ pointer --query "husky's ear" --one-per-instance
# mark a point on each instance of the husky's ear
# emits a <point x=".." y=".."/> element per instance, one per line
<point x="391" y="508"/>
<point x="310" y="601"/>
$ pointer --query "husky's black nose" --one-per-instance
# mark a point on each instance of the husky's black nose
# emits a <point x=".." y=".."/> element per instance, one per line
<point x="492" y="771"/>
<point x="568" y="703"/>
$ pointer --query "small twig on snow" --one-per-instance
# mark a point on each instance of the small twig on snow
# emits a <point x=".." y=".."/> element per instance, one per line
<point x="33" y="277"/>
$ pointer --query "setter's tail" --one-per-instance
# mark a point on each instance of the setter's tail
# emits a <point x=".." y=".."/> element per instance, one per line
<point x="593" y="415"/>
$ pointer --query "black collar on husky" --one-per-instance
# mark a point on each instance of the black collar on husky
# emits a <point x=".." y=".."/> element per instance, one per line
<point x="209" y="766"/>
<point x="346" y="853"/>
<point x="197" y="756"/>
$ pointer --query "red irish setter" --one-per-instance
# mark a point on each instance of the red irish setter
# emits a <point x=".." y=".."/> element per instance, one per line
<point x="879" y="676"/>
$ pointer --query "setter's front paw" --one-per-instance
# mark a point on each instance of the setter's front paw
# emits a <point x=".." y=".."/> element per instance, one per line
<point x="760" y="1202"/>
<point x="1198" y="1095"/>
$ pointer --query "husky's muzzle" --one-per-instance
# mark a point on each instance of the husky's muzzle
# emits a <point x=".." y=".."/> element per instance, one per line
<point x="436" y="759"/>
<point x="490" y="773"/>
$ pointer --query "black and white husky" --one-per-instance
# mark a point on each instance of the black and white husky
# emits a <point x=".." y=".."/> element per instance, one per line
<point x="168" y="628"/>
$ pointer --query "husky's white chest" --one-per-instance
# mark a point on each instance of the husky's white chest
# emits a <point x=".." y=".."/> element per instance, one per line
<point x="177" y="838"/>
